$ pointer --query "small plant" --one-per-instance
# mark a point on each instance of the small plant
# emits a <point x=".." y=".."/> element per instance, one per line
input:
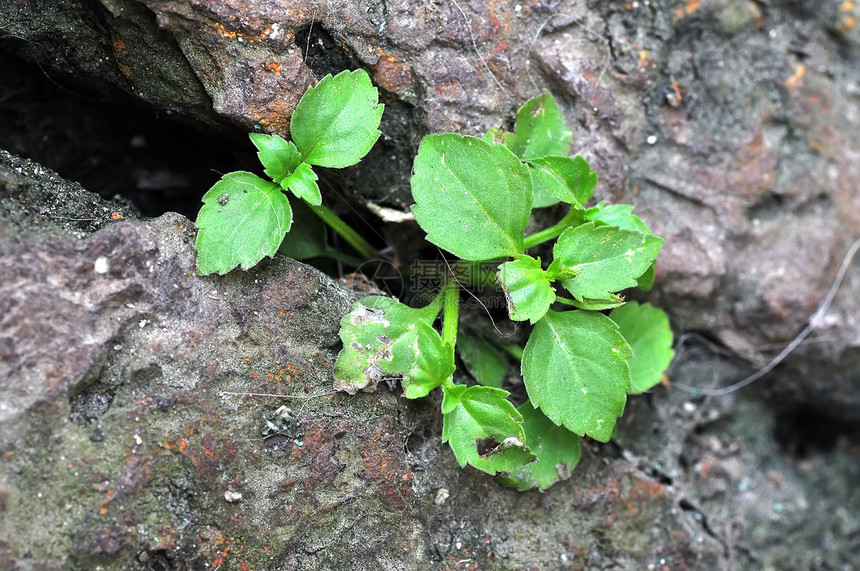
<point x="474" y="198"/>
<point x="245" y="217"/>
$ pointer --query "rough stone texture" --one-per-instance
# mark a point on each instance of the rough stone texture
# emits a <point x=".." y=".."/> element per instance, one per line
<point x="140" y="426"/>
<point x="728" y="123"/>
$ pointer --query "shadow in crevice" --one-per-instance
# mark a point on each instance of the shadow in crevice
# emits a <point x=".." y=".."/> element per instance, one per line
<point x="804" y="431"/>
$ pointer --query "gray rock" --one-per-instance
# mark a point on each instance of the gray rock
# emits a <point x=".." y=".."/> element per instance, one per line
<point x="728" y="124"/>
<point x="152" y="418"/>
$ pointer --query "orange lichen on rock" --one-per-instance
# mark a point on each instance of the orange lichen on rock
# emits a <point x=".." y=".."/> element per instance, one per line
<point x="391" y="74"/>
<point x="796" y="78"/>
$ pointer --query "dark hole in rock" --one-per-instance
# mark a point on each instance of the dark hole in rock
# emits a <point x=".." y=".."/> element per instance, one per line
<point x="322" y="53"/>
<point x="156" y="561"/>
<point x="112" y="143"/>
<point x="89" y="404"/>
<point x="804" y="431"/>
<point x="769" y="207"/>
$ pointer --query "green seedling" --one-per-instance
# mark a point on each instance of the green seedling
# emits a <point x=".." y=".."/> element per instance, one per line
<point x="245" y="217"/>
<point x="473" y="198"/>
<point x="587" y="349"/>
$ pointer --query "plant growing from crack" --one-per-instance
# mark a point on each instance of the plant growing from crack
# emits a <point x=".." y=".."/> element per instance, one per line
<point x="245" y="218"/>
<point x="474" y="198"/>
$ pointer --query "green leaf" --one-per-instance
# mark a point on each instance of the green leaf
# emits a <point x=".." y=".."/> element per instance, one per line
<point x="243" y="219"/>
<point x="495" y="136"/>
<point x="540" y="130"/>
<point x="527" y="289"/>
<point x="472" y="198"/>
<point x="308" y="237"/>
<point x="646" y="281"/>
<point x="575" y="370"/>
<point x="543" y="184"/>
<point x="565" y="179"/>
<point x="431" y="362"/>
<point x="337" y="122"/>
<point x="621" y="215"/>
<point x="611" y="302"/>
<point x="486" y="363"/>
<point x="385" y="340"/>
<point x="483" y="429"/>
<point x="557" y="450"/>
<point x="279" y="157"/>
<point x="647" y="330"/>
<point x="303" y="183"/>
<point x="594" y="260"/>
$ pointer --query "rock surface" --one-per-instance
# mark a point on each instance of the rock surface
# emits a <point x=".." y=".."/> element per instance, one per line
<point x="154" y="419"/>
<point x="730" y="124"/>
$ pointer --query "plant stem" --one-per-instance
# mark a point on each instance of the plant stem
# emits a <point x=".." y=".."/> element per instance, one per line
<point x="569" y="219"/>
<point x="512" y="349"/>
<point x="565" y="300"/>
<point x="450" y="313"/>
<point x="450" y="296"/>
<point x="346" y="232"/>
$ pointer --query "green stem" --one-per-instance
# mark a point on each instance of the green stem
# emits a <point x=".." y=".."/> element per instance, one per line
<point x="571" y="218"/>
<point x="450" y="313"/>
<point x="513" y="350"/>
<point x="450" y="296"/>
<point x="346" y="232"/>
<point x="565" y="300"/>
<point x="432" y="309"/>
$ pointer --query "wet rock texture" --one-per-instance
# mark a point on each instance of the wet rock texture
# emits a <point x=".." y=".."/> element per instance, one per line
<point x="730" y="124"/>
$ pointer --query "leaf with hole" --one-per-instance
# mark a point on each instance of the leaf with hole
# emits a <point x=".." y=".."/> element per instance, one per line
<point x="575" y="370"/>
<point x="472" y="198"/>
<point x="384" y="339"/>
<point x="647" y="330"/>
<point x="483" y="429"/>
<point x="540" y="130"/>
<point x="526" y="287"/>
<point x="557" y="450"/>
<point x="244" y="218"/>
<point x="337" y="122"/>
<point x="593" y="261"/>
<point x="279" y="157"/>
